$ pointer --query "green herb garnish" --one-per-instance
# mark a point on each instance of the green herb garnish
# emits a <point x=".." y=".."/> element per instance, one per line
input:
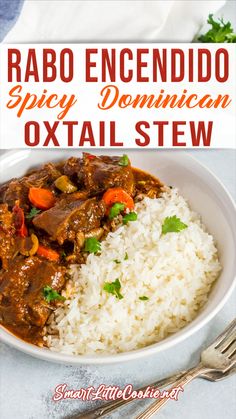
<point x="126" y="256"/>
<point x="116" y="209"/>
<point x="92" y="245"/>
<point x="143" y="298"/>
<point x="219" y="32"/>
<point x="63" y="254"/>
<point x="33" y="212"/>
<point x="50" y="294"/>
<point x="113" y="288"/>
<point x="116" y="261"/>
<point x="124" y="160"/>
<point x="172" y="225"/>
<point x="131" y="216"/>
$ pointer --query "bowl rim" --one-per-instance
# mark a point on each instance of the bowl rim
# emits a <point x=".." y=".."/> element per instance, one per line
<point x="45" y="354"/>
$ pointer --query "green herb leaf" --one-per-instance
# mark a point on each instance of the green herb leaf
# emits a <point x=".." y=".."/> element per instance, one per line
<point x="50" y="294"/>
<point x="172" y="225"/>
<point x="63" y="254"/>
<point x="131" y="216"/>
<point x="124" y="160"/>
<point x="143" y="298"/>
<point x="116" y="261"/>
<point x="113" y="288"/>
<point x="116" y="209"/>
<point x="92" y="245"/>
<point x="126" y="256"/>
<point x="33" y="212"/>
<point x="220" y="32"/>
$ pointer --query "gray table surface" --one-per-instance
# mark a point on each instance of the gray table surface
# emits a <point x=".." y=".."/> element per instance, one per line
<point x="27" y="384"/>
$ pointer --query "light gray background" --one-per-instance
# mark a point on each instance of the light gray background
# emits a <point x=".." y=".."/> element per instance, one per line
<point x="27" y="384"/>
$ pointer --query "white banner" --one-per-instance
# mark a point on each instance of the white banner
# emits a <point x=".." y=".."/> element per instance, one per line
<point x="118" y="95"/>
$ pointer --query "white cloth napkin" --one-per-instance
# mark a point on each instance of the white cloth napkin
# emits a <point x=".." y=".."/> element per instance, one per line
<point x="114" y="21"/>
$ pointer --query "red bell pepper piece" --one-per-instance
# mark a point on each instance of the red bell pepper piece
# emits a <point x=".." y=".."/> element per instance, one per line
<point x="19" y="221"/>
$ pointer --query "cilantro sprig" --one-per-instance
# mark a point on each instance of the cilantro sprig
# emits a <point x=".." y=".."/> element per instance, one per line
<point x="124" y="160"/>
<point x="143" y="298"/>
<point x="116" y="210"/>
<point x="220" y="31"/>
<point x="33" y="212"/>
<point x="50" y="294"/>
<point x="92" y="245"/>
<point x="113" y="288"/>
<point x="131" y="216"/>
<point x="172" y="225"/>
<point x="63" y="254"/>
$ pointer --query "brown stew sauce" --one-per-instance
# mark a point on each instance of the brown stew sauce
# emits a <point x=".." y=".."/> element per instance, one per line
<point x="61" y="229"/>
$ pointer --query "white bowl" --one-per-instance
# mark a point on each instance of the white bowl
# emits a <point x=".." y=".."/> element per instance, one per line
<point x="206" y="195"/>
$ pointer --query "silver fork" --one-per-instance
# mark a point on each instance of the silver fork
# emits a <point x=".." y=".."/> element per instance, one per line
<point x="107" y="408"/>
<point x="219" y="357"/>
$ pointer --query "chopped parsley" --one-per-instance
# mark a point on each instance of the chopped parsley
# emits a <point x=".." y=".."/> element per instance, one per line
<point x="172" y="225"/>
<point x="92" y="245"/>
<point x="116" y="261"/>
<point x="124" y="160"/>
<point x="220" y="31"/>
<point x="131" y="216"/>
<point x="116" y="209"/>
<point x="143" y="298"/>
<point x="50" y="294"/>
<point x="126" y="256"/>
<point x="113" y="288"/>
<point x="33" y="212"/>
<point x="63" y="254"/>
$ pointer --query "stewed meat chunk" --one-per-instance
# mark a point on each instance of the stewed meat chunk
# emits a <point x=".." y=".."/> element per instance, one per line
<point x="104" y="172"/>
<point x="23" y="307"/>
<point x="70" y="217"/>
<point x="18" y="189"/>
<point x="7" y="237"/>
<point x="73" y="167"/>
<point x="15" y="190"/>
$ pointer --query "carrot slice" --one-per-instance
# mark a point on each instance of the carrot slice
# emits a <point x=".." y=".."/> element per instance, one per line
<point x="41" y="198"/>
<point x="113" y="195"/>
<point x="48" y="253"/>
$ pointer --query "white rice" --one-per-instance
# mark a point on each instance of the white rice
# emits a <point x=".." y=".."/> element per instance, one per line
<point x="175" y="271"/>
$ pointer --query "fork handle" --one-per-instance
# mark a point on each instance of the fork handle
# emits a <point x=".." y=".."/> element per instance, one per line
<point x="186" y="378"/>
<point x="109" y="407"/>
